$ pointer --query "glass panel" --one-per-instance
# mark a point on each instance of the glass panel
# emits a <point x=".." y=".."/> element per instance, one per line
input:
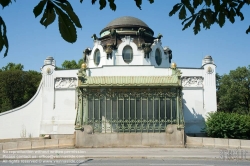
<point x="97" y="57"/>
<point x="144" y="108"/>
<point x="114" y="109"/>
<point x="158" y="57"/>
<point x="120" y="109"/>
<point x="126" y="108"/>
<point x="162" y="110"/>
<point x="174" y="109"/>
<point x="168" y="107"/>
<point x="150" y="108"/>
<point x="156" y="108"/>
<point x="132" y="108"/>
<point x="102" y="108"/>
<point x="138" y="108"/>
<point x="90" y="109"/>
<point x="127" y="54"/>
<point x="97" y="111"/>
<point x="108" y="109"/>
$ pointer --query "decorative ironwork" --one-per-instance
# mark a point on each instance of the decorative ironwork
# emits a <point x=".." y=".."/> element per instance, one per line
<point x="134" y="125"/>
<point x="110" y="110"/>
<point x="129" y="92"/>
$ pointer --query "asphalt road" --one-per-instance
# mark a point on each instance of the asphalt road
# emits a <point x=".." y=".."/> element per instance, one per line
<point x="126" y="157"/>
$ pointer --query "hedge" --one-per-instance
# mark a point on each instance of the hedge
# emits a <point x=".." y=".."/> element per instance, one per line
<point x="228" y="125"/>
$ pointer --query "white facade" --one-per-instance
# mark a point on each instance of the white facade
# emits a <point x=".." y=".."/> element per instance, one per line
<point x="53" y="108"/>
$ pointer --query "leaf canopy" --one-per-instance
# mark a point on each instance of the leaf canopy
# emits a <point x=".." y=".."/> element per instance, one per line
<point x="192" y="12"/>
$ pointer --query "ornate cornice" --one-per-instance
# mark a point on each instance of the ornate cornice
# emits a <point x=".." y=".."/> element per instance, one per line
<point x="128" y="92"/>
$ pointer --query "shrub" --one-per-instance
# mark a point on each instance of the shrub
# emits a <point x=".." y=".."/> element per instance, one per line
<point x="228" y="125"/>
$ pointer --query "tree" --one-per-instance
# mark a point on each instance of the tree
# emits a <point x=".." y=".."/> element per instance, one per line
<point x="208" y="12"/>
<point x="12" y="66"/>
<point x="234" y="91"/>
<point x="202" y="12"/>
<point x="67" y="64"/>
<point x="17" y="86"/>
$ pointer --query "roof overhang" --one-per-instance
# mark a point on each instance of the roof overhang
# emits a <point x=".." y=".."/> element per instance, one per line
<point x="130" y="81"/>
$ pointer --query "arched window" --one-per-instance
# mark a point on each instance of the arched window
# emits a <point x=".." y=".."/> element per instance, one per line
<point x="158" y="57"/>
<point x="127" y="54"/>
<point x="97" y="57"/>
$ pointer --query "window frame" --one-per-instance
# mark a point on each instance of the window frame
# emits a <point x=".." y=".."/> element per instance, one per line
<point x="159" y="56"/>
<point x="131" y="55"/>
<point x="95" y="57"/>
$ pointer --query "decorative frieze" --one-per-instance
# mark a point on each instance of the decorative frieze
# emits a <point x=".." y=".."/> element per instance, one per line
<point x="192" y="81"/>
<point x="65" y="83"/>
<point x="127" y="92"/>
<point x="127" y="39"/>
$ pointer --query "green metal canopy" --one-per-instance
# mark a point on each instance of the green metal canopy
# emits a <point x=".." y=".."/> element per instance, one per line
<point x="95" y="81"/>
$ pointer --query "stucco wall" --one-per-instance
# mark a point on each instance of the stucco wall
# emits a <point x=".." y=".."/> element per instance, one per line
<point x="129" y="71"/>
<point x="23" y="121"/>
<point x="59" y="102"/>
<point x="53" y="108"/>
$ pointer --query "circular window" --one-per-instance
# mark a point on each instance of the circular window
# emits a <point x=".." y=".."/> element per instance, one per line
<point x="127" y="54"/>
<point x="158" y="57"/>
<point x="97" y="57"/>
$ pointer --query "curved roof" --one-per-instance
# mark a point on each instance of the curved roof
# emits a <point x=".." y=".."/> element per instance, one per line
<point x="127" y="20"/>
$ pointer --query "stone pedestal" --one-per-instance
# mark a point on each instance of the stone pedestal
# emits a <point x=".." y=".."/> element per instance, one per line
<point x="173" y="137"/>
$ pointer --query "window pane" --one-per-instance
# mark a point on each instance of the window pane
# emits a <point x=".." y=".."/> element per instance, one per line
<point x="168" y="111"/>
<point x="158" y="57"/>
<point x="150" y="108"/>
<point x="144" y="108"/>
<point x="162" y="111"/>
<point x="174" y="109"/>
<point x="114" y="109"/>
<point x="156" y="108"/>
<point x="127" y="54"/>
<point x="138" y="108"/>
<point x="120" y="109"/>
<point x="97" y="110"/>
<point x="132" y="108"/>
<point x="108" y="109"/>
<point x="126" y="108"/>
<point x="90" y="108"/>
<point x="97" y="57"/>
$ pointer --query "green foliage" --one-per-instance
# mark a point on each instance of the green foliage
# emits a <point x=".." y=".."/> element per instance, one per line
<point x="71" y="64"/>
<point x="67" y="19"/>
<point x="208" y="12"/>
<point x="12" y="66"/>
<point x="202" y="12"/>
<point x="233" y="91"/>
<point x="228" y="125"/>
<point x="17" y="86"/>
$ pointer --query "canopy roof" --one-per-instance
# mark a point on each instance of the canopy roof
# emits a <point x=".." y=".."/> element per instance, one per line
<point x="97" y="81"/>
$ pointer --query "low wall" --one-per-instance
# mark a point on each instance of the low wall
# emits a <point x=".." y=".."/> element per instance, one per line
<point x="23" y="121"/>
<point x="173" y="137"/>
<point x="37" y="144"/>
<point x="192" y="142"/>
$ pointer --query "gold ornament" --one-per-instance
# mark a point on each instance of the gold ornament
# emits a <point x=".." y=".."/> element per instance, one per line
<point x="84" y="66"/>
<point x="173" y="65"/>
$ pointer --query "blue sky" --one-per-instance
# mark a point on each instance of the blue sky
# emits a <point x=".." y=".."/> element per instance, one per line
<point x="30" y="42"/>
